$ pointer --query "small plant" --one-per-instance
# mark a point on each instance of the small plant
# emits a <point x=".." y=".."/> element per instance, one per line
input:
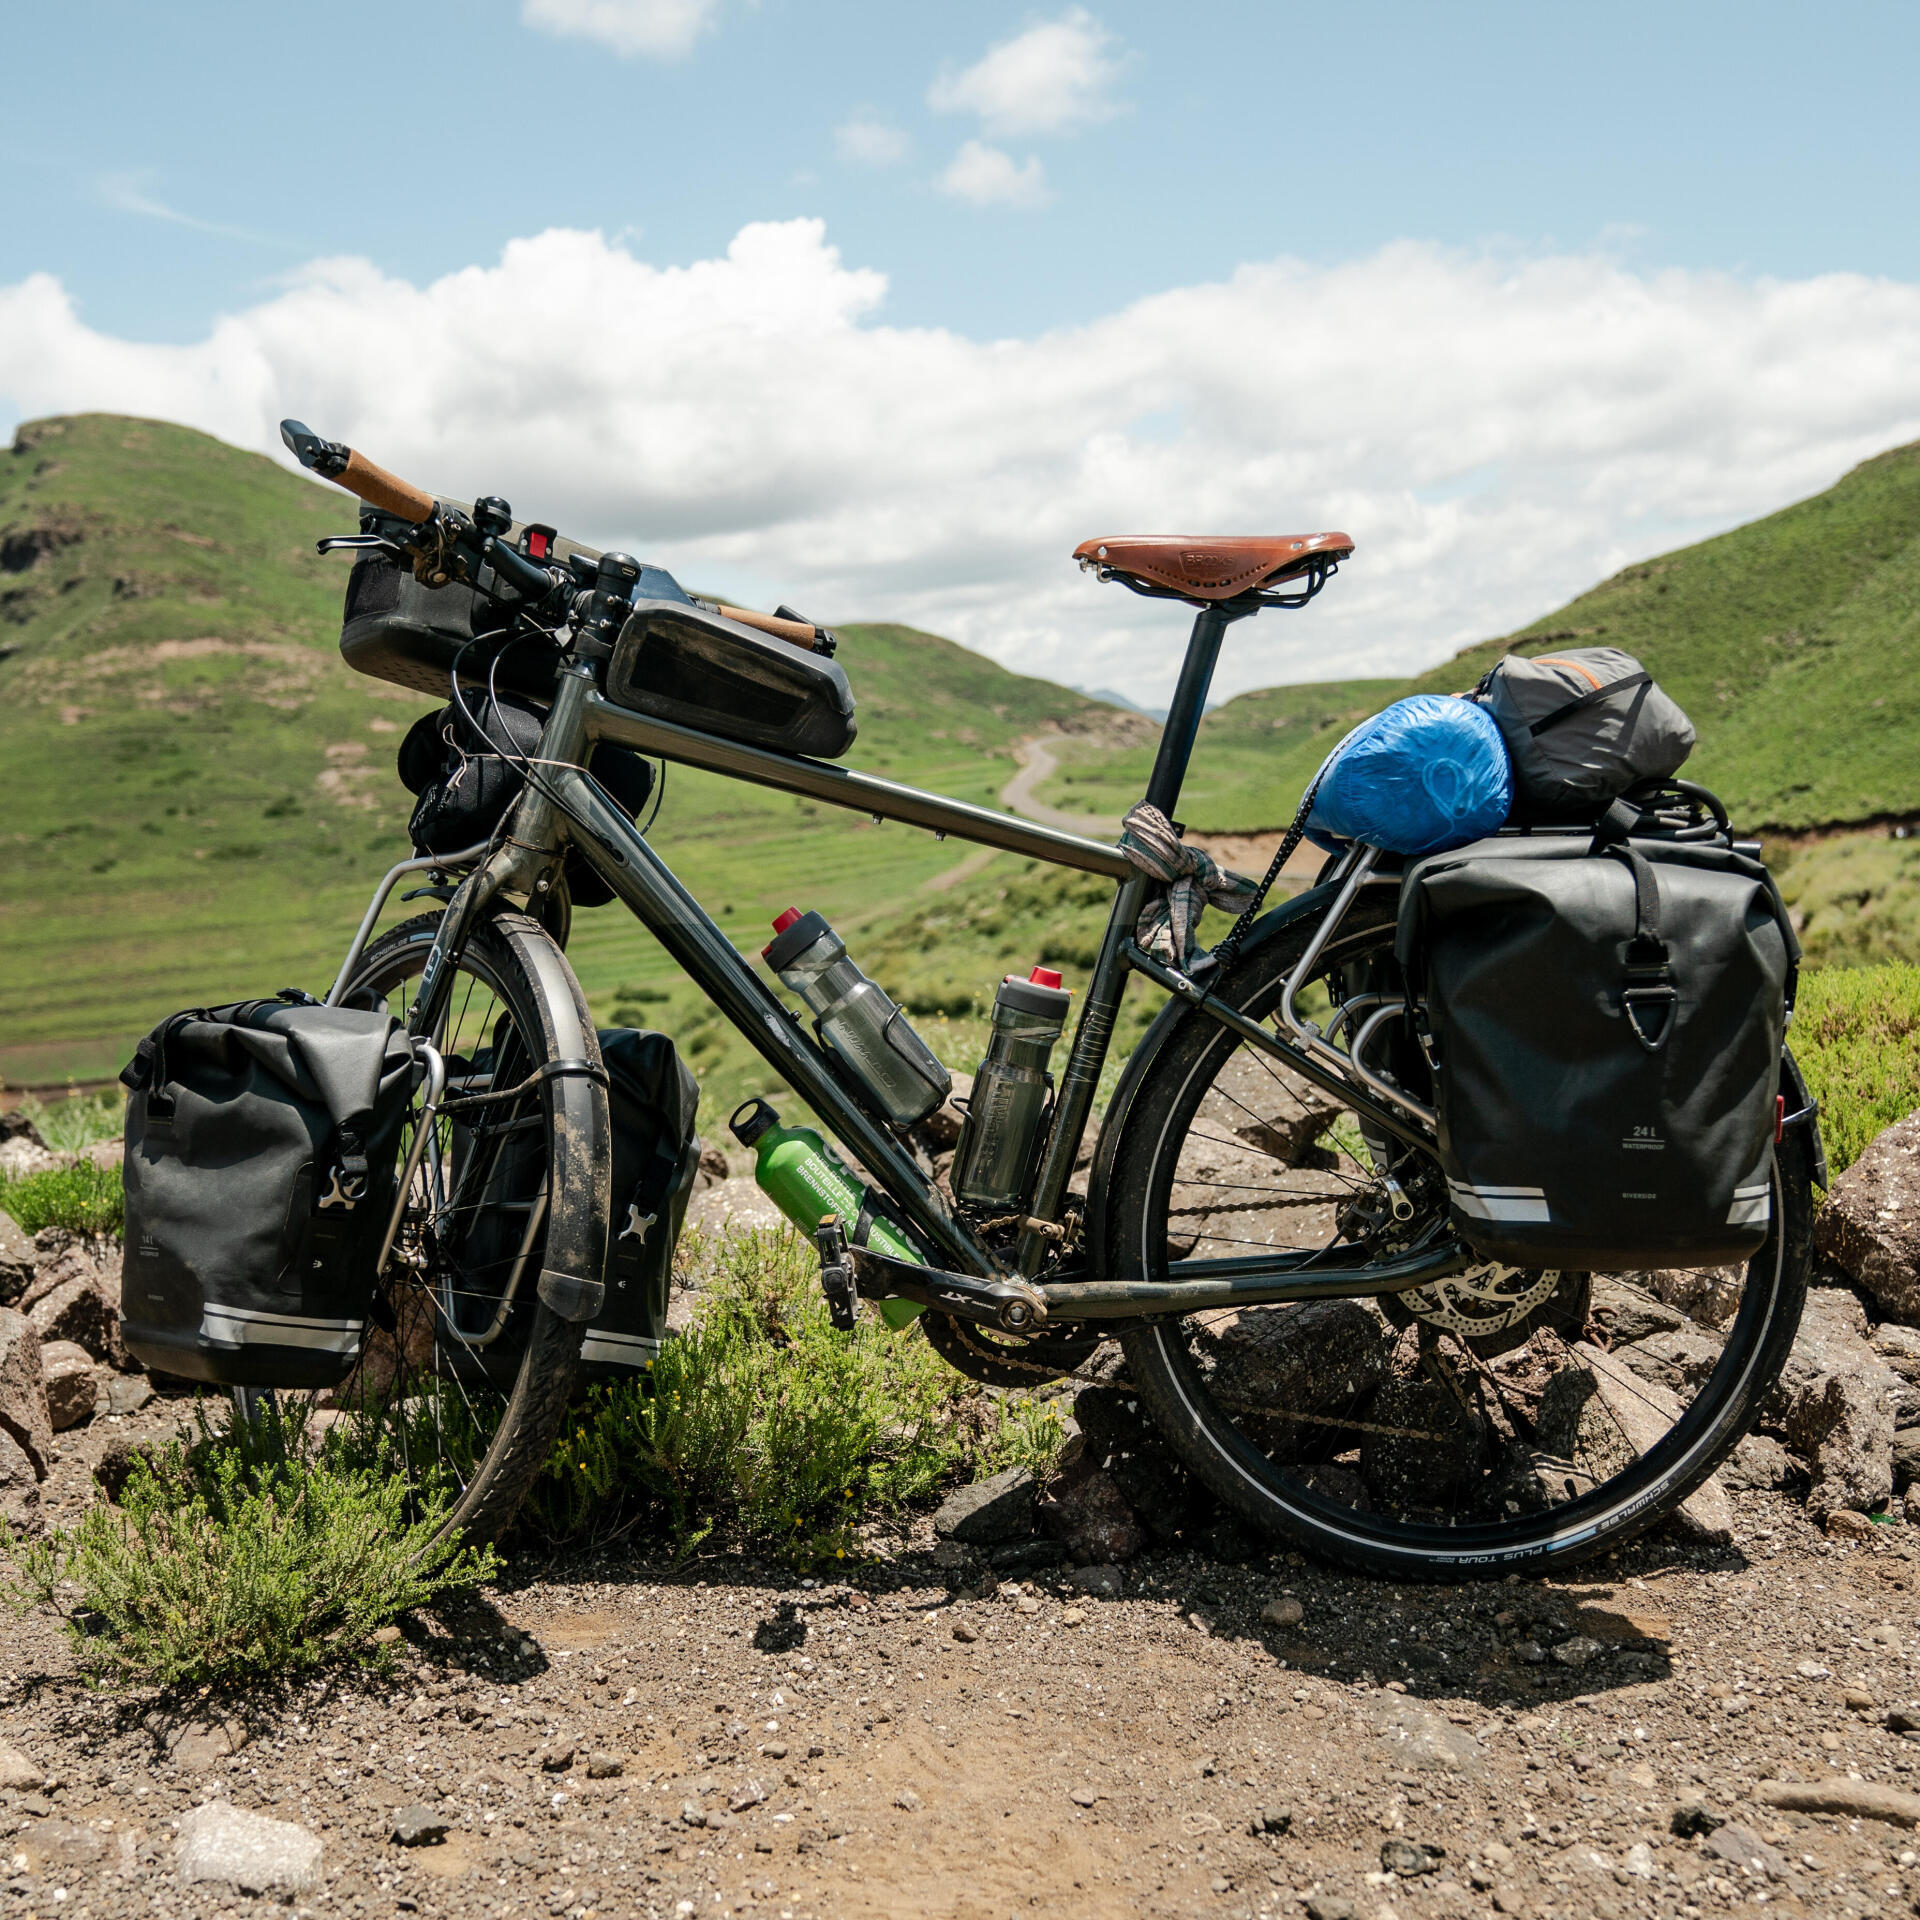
<point x="77" y="1121"/>
<point x="1856" y="1034"/>
<point x="254" y="1550"/>
<point x="1030" y="1433"/>
<point x="83" y="1198"/>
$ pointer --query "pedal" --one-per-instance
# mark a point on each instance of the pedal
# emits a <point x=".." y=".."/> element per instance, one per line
<point x="836" y="1276"/>
<point x="1011" y="1305"/>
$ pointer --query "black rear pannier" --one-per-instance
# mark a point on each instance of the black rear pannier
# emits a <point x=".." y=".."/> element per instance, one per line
<point x="261" y="1151"/>
<point x="679" y="662"/>
<point x="1604" y="1022"/>
<point x="651" y="1101"/>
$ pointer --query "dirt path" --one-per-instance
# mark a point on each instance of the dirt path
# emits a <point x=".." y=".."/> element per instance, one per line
<point x="932" y="1738"/>
<point x="1038" y="764"/>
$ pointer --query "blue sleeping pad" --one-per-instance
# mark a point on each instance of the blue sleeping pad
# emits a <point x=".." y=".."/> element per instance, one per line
<point x="1428" y="774"/>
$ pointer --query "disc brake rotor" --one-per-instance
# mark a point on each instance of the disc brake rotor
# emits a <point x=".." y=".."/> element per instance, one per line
<point x="1483" y="1300"/>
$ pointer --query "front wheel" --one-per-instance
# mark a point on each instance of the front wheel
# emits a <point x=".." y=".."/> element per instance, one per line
<point x="1497" y="1420"/>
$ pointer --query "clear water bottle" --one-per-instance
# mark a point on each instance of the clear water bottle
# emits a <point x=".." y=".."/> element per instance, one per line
<point x="993" y="1162"/>
<point x="856" y="1019"/>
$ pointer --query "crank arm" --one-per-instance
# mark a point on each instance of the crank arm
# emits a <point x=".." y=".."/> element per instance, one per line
<point x="1196" y="1286"/>
<point x="1011" y="1305"/>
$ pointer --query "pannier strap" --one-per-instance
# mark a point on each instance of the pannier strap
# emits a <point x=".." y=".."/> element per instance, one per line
<point x="553" y="1070"/>
<point x="1624" y="684"/>
<point x="1648" y="996"/>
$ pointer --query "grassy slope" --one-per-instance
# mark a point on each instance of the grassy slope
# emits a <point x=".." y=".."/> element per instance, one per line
<point x="201" y="794"/>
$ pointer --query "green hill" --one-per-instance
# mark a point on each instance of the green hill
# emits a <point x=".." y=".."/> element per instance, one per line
<point x="201" y="794"/>
<point x="1793" y="642"/>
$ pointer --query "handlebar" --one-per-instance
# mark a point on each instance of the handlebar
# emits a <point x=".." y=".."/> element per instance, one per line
<point x="355" y="472"/>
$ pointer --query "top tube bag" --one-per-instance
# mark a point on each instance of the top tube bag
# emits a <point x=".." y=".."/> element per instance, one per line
<point x="261" y="1148"/>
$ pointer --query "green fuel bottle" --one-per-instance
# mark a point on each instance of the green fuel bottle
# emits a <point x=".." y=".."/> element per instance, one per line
<point x="798" y="1172"/>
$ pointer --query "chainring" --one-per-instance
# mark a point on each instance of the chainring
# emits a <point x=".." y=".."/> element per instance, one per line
<point x="1000" y="1360"/>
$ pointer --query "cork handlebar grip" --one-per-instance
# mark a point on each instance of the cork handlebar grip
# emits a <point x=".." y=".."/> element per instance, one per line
<point x="387" y="491"/>
<point x="796" y="631"/>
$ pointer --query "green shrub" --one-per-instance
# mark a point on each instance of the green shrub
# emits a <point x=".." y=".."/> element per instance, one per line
<point x="254" y="1550"/>
<point x="78" y="1121"/>
<point x="84" y="1199"/>
<point x="764" y="1424"/>
<point x="1856" y="1034"/>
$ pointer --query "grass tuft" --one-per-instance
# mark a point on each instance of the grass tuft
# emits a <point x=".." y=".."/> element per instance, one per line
<point x="256" y="1549"/>
<point x="84" y="1199"/>
<point x="1856" y="1034"/>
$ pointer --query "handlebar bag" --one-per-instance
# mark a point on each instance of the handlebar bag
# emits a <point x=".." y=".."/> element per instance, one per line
<point x="467" y="774"/>
<point x="1582" y="727"/>
<point x="262" y="1146"/>
<point x="1427" y="773"/>
<point x="1604" y="1020"/>
<point x="678" y="661"/>
<point x="652" y="1100"/>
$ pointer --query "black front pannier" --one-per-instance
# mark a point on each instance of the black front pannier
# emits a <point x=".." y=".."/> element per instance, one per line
<point x="261" y="1157"/>
<point x="1604" y="1021"/>
<point x="651" y="1101"/>
<point x="466" y="776"/>
<point x="679" y="662"/>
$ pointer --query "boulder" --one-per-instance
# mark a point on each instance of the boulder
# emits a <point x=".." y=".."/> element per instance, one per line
<point x="736" y="1203"/>
<point x="1762" y="1465"/>
<point x="989" y="1511"/>
<point x="72" y="1383"/>
<point x="1630" y="1311"/>
<point x="1323" y="1357"/>
<point x="1906" y="1458"/>
<point x="1834" y="1406"/>
<point x="1678" y="1358"/>
<point x="24" y="1414"/>
<point x="1275" y="1111"/>
<point x="23" y="1156"/>
<point x="79" y="1310"/>
<point x="1870" y="1226"/>
<point x="17" y="1260"/>
<point x="247" y="1850"/>
<point x="1122" y="1442"/>
<point x="19" y="1487"/>
<point x="1708" y="1296"/>
<point x="1434" y="1454"/>
<point x="1086" y="1511"/>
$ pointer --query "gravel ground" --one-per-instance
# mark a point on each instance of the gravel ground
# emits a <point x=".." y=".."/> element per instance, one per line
<point x="616" y="1737"/>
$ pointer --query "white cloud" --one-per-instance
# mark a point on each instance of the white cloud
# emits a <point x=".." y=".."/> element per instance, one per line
<point x="1496" y="433"/>
<point x="1053" y="78"/>
<point x="869" y="141"/>
<point x="664" y="29"/>
<point x="127" y="193"/>
<point x="986" y="176"/>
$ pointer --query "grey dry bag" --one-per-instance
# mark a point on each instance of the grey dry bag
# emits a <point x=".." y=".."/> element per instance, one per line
<point x="1604" y="1021"/>
<point x="261" y="1158"/>
<point x="1581" y="728"/>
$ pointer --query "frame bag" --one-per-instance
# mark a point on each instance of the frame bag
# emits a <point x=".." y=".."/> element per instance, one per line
<point x="1581" y="728"/>
<point x="1604" y="1022"/>
<point x="261" y="1149"/>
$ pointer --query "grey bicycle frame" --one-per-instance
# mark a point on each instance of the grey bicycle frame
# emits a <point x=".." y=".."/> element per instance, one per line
<point x="567" y="807"/>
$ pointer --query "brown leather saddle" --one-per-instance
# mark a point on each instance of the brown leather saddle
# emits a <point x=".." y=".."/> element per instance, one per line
<point x="1204" y="568"/>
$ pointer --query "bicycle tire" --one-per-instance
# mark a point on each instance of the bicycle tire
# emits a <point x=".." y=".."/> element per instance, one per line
<point x="1290" y="1502"/>
<point x="520" y="1407"/>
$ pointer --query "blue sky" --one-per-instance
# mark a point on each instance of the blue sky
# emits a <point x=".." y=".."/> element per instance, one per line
<point x="1093" y="187"/>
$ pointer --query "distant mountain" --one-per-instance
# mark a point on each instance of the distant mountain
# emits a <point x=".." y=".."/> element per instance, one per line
<point x="1120" y="700"/>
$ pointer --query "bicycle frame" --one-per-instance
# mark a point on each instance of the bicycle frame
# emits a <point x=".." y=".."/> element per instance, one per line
<point x="567" y="807"/>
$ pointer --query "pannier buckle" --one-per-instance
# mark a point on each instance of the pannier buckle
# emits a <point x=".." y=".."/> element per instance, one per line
<point x="1650" y="1013"/>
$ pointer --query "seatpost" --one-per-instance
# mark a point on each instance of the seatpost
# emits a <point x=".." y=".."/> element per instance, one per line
<point x="1189" y="704"/>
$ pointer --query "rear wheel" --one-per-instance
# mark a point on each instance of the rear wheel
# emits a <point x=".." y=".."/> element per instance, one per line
<point x="1500" y="1418"/>
<point x="465" y="1378"/>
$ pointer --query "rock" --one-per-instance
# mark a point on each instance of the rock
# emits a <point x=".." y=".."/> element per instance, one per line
<point x="24" y="1414"/>
<point x="19" y="1773"/>
<point x="603" y="1766"/>
<point x="989" y="1511"/>
<point x="1899" y="1347"/>
<point x="1695" y="1816"/>
<point x="21" y="1158"/>
<point x="1708" y="1296"/>
<point x="951" y="1554"/>
<point x="205" y="1743"/>
<point x="108" y="1155"/>
<point x="1760" y="1464"/>
<point x="1903" y="1720"/>
<point x="79" y="1310"/>
<point x="1631" y="1312"/>
<point x="1282" y="1612"/>
<point x="1420" y="1736"/>
<point x="1639" y="1861"/>
<point x="1578" y="1651"/>
<point x="417" y="1827"/>
<point x="1844" y="1524"/>
<point x="1100" y="1583"/>
<point x="1906" y="1458"/>
<point x="1025" y="1554"/>
<point x="1741" y="1847"/>
<point x="964" y="1633"/>
<point x="907" y="1800"/>
<point x="736" y="1203"/>
<point x="1851" y="1799"/>
<point x="16" y="1261"/>
<point x="1437" y="1453"/>
<point x="713" y="1168"/>
<point x="114" y="1468"/>
<point x="19" y="1487"/>
<point x="1870" y="1226"/>
<point x="247" y="1850"/>
<point x="1857" y="1699"/>
<point x="556" y="1759"/>
<point x="1322" y="1356"/>
<point x="942" y="1126"/>
<point x="1833" y="1405"/>
<point x="1271" y="1820"/>
<point x="1408" y="1858"/>
<point x="1276" y="1112"/>
<point x="1121" y="1441"/>
<point x="1678" y="1359"/>
<point x="71" y="1384"/>
<point x="1087" y="1513"/>
<point x="1331" y="1906"/>
<point x="124" y="1393"/>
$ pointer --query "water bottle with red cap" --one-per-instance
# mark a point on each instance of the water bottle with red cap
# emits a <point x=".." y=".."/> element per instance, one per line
<point x="856" y="1019"/>
<point x="993" y="1162"/>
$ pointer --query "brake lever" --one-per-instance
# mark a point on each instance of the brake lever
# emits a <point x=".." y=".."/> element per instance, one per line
<point x="360" y="543"/>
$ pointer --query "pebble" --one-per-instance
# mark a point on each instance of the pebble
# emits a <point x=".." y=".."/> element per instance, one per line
<point x="1639" y="1861"/>
<point x="964" y="1633"/>
<point x="417" y="1826"/>
<point x="1844" y="1524"/>
<point x="1740" y="1846"/>
<point x="1852" y="1799"/>
<point x="1272" y="1820"/>
<point x="603" y="1766"/>
<point x="556" y="1760"/>
<point x="1695" y="1816"/>
<point x="1331" y="1906"/>
<point x="1408" y="1858"/>
<point x="1285" y="1611"/>
<point x="385" y="1636"/>
<point x="1859" y="1699"/>
<point x="1577" y="1651"/>
<point x="1074" y="1617"/>
<point x="775" y="1749"/>
<point x="1903" y="1720"/>
<point x="1813" y="1670"/>
<point x="246" y="1850"/>
<point x="18" y="1772"/>
<point x="1101" y="1583"/>
<point x="907" y="1800"/>
<point x="1083" y="1797"/>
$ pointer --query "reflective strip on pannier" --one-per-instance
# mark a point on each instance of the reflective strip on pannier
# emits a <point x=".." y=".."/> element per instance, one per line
<point x="242" y="1326"/>
<point x="1499" y="1203"/>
